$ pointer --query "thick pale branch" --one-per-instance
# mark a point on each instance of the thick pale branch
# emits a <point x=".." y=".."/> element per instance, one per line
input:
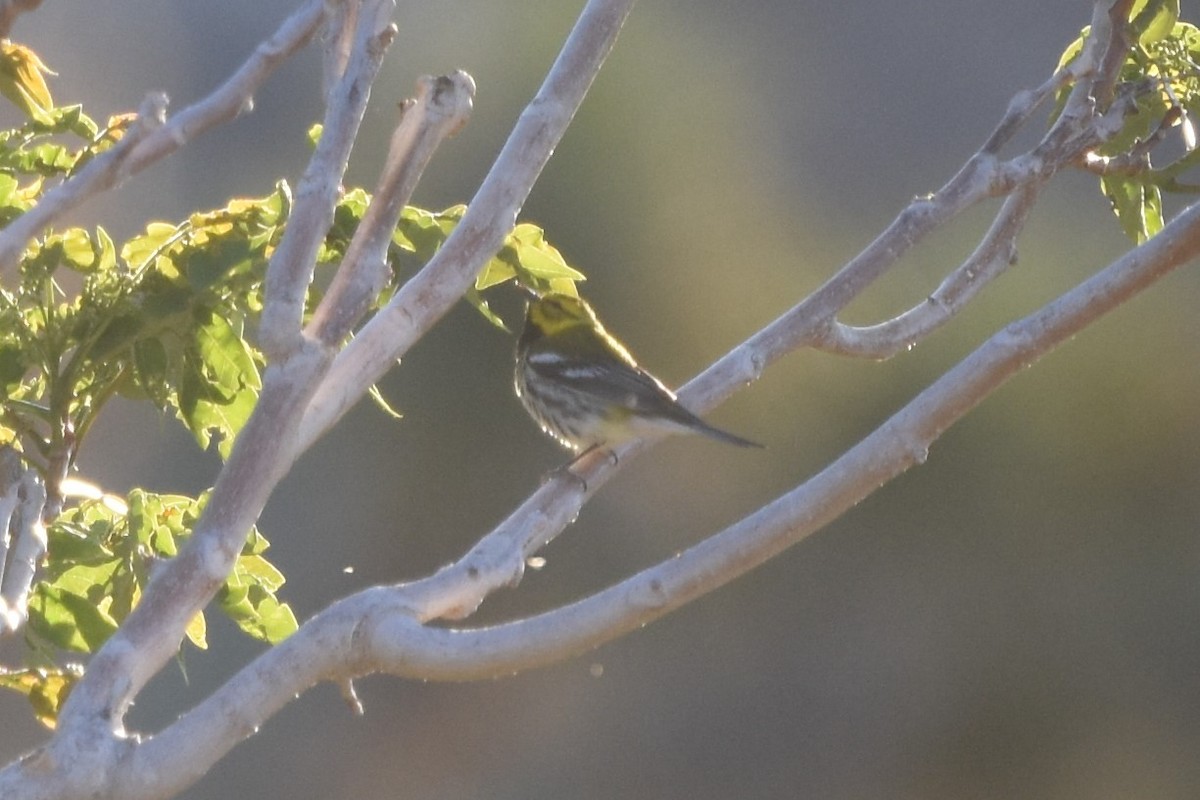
<point x="22" y="537"/>
<point x="430" y="293"/>
<point x="262" y="453"/>
<point x="28" y="549"/>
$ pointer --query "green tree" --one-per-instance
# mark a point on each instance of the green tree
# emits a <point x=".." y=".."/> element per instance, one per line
<point x="258" y="325"/>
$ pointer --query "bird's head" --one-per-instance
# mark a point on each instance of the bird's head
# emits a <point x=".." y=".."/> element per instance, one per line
<point x="554" y="313"/>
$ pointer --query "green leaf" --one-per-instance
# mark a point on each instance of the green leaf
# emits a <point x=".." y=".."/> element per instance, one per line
<point x="87" y="580"/>
<point x="258" y="570"/>
<point x="150" y="370"/>
<point x="1153" y="20"/>
<point x="157" y="520"/>
<point x="258" y="613"/>
<point x="106" y="251"/>
<point x="221" y="384"/>
<point x="119" y="332"/>
<point x="534" y="262"/>
<point x="314" y="134"/>
<point x="8" y="187"/>
<point x="1138" y="206"/>
<point x="197" y="631"/>
<point x="14" y="362"/>
<point x="138" y="251"/>
<point x="248" y="597"/>
<point x="207" y="265"/>
<point x="537" y="256"/>
<point x="46" y="688"/>
<point x="77" y="250"/>
<point x="22" y="81"/>
<point x="476" y="299"/>
<point x="422" y="232"/>
<point x="84" y="535"/>
<point x="67" y="620"/>
<point x="495" y="272"/>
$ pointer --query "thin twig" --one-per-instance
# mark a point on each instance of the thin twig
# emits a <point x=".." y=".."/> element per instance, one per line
<point x="440" y="109"/>
<point x="236" y="95"/>
<point x="291" y="267"/>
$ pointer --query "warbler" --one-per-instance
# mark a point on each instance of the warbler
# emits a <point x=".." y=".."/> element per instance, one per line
<point x="584" y="388"/>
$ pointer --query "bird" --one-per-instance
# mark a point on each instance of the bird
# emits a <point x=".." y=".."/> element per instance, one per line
<point x="585" y="389"/>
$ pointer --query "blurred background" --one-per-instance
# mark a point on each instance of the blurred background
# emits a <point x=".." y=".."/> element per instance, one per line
<point x="1015" y="618"/>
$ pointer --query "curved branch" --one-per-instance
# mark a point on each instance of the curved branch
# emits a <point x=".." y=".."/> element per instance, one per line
<point x="997" y="251"/>
<point x="101" y="173"/>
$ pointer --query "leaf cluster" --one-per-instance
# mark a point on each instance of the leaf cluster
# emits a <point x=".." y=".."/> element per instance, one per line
<point x="101" y="555"/>
<point x="1161" y="75"/>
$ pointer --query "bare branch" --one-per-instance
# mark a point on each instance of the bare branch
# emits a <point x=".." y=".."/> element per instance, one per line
<point x="440" y="109"/>
<point x="291" y="267"/>
<point x="996" y="252"/>
<point x="1024" y="104"/>
<point x="236" y="95"/>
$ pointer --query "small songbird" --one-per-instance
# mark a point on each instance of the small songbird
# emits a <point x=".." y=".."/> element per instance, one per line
<point x="584" y="388"/>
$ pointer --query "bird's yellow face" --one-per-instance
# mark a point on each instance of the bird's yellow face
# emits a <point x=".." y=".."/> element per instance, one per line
<point x="554" y="313"/>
